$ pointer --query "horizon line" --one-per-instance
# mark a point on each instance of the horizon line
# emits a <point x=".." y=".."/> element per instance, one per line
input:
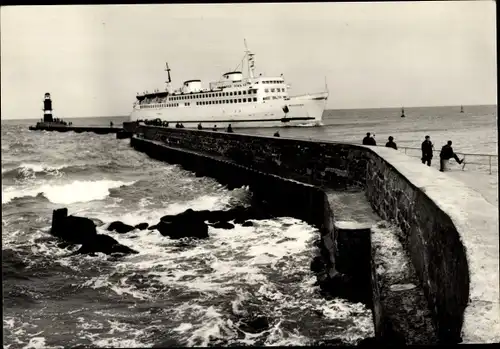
<point x="425" y="106"/>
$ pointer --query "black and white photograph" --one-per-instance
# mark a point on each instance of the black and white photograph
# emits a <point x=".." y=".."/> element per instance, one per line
<point x="249" y="174"/>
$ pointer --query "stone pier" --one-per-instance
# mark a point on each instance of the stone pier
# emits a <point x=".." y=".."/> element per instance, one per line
<point x="437" y="282"/>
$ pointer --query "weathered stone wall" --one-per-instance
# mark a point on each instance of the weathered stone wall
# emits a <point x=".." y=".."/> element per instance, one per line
<point x="283" y="196"/>
<point x="428" y="234"/>
<point x="431" y="239"/>
<point x="318" y="163"/>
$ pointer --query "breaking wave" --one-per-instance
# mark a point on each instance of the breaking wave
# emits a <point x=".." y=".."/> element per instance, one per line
<point x="67" y="193"/>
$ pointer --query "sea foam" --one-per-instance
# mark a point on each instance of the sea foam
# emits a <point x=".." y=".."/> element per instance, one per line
<point x="67" y="193"/>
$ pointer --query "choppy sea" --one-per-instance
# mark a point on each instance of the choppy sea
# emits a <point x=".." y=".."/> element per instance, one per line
<point x="176" y="293"/>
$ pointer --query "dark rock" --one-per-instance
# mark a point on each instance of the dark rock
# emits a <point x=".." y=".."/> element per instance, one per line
<point x="81" y="230"/>
<point x="105" y="244"/>
<point x="72" y="229"/>
<point x="120" y="227"/>
<point x="246" y="224"/>
<point x="317" y="264"/>
<point x="185" y="224"/>
<point x="255" y="325"/>
<point x="97" y="222"/>
<point x="223" y="225"/>
<point x="142" y="226"/>
<point x="239" y="220"/>
<point x="153" y="227"/>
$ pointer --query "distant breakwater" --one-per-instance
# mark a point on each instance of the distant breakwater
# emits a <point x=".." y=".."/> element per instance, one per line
<point x="302" y="171"/>
<point x="41" y="126"/>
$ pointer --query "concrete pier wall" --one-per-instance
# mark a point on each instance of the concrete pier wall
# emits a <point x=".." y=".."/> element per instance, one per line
<point x="452" y="246"/>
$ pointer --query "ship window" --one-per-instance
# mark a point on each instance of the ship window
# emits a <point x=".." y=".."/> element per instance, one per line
<point x="239" y="92"/>
<point x="244" y="100"/>
<point x="227" y="101"/>
<point x="266" y="90"/>
<point x="239" y="100"/>
<point x="255" y="99"/>
<point x="244" y="92"/>
<point x="272" y="90"/>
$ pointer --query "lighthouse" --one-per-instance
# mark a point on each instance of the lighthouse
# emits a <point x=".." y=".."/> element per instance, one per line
<point x="47" y="108"/>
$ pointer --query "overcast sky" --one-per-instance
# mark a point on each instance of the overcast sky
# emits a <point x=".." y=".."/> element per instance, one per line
<point x="94" y="59"/>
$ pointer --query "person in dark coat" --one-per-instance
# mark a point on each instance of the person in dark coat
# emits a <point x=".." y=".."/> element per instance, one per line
<point x="277" y="134"/>
<point x="215" y="128"/>
<point x="366" y="140"/>
<point x="391" y="143"/>
<point x="427" y="151"/>
<point x="199" y="126"/>
<point x="446" y="154"/>
<point x="229" y="129"/>
<point x="369" y="140"/>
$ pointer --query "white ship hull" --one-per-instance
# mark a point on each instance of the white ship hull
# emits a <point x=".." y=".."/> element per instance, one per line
<point x="305" y="110"/>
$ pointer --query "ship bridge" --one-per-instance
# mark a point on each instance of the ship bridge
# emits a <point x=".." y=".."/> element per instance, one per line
<point x="190" y="86"/>
<point x="233" y="76"/>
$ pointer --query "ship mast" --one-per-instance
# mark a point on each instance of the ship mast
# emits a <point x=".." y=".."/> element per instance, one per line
<point x="250" y="62"/>
<point x="168" y="87"/>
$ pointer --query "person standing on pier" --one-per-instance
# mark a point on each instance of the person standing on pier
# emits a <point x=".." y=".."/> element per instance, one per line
<point x="277" y="134"/>
<point x="427" y="151"/>
<point x="446" y="154"/>
<point x="199" y="126"/>
<point x="111" y="124"/>
<point x="229" y="129"/>
<point x="391" y="143"/>
<point x="368" y="140"/>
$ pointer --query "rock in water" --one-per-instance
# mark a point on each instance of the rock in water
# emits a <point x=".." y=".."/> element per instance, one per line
<point x="105" y="244"/>
<point x="120" y="227"/>
<point x="97" y="222"/>
<point x="72" y="229"/>
<point x="223" y="225"/>
<point x="255" y="325"/>
<point x="142" y="226"/>
<point x="81" y="230"/>
<point x="246" y="224"/>
<point x="317" y="264"/>
<point x="185" y="224"/>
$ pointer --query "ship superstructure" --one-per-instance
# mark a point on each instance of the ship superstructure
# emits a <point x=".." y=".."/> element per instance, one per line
<point x="242" y="101"/>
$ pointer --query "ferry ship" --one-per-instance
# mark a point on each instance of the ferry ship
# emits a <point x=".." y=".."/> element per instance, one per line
<point x="236" y="100"/>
